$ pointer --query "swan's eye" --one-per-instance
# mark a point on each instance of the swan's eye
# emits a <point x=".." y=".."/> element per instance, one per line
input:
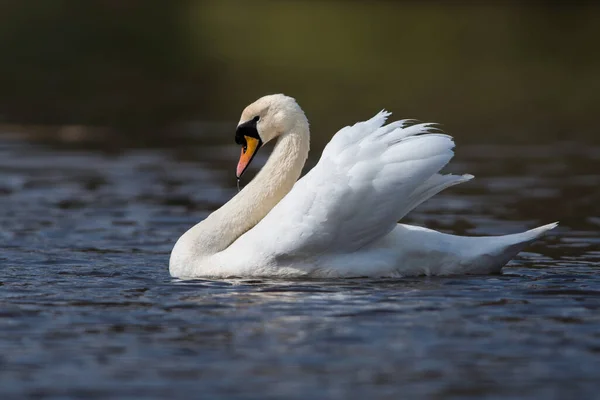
<point x="256" y="119"/>
<point x="244" y="148"/>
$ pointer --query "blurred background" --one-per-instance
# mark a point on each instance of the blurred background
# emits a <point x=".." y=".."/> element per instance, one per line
<point x="140" y="72"/>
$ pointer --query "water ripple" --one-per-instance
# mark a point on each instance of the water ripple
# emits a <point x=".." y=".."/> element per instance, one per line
<point x="88" y="310"/>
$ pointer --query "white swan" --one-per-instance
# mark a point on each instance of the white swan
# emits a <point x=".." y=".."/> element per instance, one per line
<point x="340" y="219"/>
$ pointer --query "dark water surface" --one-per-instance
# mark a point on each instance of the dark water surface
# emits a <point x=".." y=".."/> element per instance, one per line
<point x="88" y="309"/>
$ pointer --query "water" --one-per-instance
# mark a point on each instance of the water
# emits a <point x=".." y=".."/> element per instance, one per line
<point x="88" y="309"/>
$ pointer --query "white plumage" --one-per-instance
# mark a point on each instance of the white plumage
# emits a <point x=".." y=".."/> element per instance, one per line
<point x="341" y="218"/>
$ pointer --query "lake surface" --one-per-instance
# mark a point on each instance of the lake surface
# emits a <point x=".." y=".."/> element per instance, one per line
<point x="88" y="309"/>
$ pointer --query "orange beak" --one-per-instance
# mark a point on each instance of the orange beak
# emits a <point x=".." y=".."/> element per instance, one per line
<point x="248" y="152"/>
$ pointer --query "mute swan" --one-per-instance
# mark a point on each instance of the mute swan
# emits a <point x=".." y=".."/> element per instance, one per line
<point x="340" y="219"/>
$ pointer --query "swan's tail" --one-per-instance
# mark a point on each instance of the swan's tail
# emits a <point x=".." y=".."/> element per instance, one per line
<point x="495" y="252"/>
<point x="524" y="238"/>
<point x="536" y="233"/>
<point x="429" y="252"/>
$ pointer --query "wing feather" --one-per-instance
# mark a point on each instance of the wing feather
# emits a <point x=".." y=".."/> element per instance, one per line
<point x="370" y="175"/>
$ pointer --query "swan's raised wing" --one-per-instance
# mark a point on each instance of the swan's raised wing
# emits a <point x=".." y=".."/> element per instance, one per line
<point x="369" y="176"/>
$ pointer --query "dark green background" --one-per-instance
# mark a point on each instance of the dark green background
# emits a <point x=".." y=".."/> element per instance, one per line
<point x="141" y="71"/>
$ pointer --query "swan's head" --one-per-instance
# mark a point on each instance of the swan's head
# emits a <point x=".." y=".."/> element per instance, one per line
<point x="262" y="121"/>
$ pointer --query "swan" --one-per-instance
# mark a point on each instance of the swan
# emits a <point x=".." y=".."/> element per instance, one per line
<point x="341" y="218"/>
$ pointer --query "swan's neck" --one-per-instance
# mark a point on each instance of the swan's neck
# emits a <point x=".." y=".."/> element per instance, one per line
<point x="256" y="199"/>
